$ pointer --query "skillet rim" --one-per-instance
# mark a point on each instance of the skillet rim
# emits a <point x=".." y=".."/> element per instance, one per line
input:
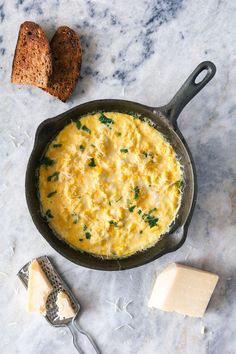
<point x="116" y="264"/>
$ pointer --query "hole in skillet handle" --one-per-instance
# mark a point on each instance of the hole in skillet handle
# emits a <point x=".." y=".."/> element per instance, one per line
<point x="203" y="73"/>
<point x="200" y="77"/>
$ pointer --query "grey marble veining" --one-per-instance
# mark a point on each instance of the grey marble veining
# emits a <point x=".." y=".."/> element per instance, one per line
<point x="138" y="50"/>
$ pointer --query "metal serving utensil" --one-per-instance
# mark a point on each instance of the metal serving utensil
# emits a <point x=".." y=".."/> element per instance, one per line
<point x="51" y="308"/>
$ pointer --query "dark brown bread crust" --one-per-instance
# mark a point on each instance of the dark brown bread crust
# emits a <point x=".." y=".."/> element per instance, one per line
<point x="32" y="63"/>
<point x="66" y="57"/>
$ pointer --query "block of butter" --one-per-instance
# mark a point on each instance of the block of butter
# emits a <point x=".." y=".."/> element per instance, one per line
<point x="183" y="289"/>
<point x="39" y="288"/>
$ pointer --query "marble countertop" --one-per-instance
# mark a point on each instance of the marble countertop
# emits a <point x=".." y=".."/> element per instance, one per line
<point x="139" y="51"/>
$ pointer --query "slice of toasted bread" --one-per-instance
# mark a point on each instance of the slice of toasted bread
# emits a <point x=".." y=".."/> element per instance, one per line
<point x="32" y="64"/>
<point x="66" y="58"/>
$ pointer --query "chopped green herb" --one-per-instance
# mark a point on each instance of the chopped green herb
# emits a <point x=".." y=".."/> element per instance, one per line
<point x="83" y="127"/>
<point x="109" y="202"/>
<point x="86" y="129"/>
<point x="152" y="221"/>
<point x="57" y="145"/>
<point x="135" y="117"/>
<point x="139" y="211"/>
<point x="179" y="184"/>
<point x="152" y="210"/>
<point x="118" y="133"/>
<point x="136" y="192"/>
<point x="131" y="209"/>
<point x="88" y="235"/>
<point x="105" y="120"/>
<point x="76" y="218"/>
<point x="54" y="177"/>
<point x="47" y="161"/>
<point x="145" y="215"/>
<point x="124" y="150"/>
<point x="85" y="228"/>
<point x="49" y="214"/>
<point x="141" y="231"/>
<point x="112" y="222"/>
<point x="92" y="162"/>
<point x="81" y="147"/>
<point x="51" y="194"/>
<point x="93" y="145"/>
<point x="145" y="153"/>
<point x="78" y="123"/>
<point x="118" y="199"/>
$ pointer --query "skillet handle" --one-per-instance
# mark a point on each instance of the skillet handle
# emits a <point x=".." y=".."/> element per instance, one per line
<point x="188" y="90"/>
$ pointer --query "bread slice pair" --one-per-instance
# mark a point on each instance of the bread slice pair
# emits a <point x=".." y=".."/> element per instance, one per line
<point x="55" y="68"/>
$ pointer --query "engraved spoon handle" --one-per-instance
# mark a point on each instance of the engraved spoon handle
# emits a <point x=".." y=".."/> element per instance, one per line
<point x="73" y="331"/>
<point x="80" y="330"/>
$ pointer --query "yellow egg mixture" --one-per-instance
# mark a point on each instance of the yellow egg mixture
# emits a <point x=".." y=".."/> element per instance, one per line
<point x="109" y="184"/>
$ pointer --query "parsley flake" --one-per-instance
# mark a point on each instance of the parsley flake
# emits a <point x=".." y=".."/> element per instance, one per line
<point x="51" y="194"/>
<point x="131" y="209"/>
<point x="47" y="161"/>
<point x="57" y="145"/>
<point x="92" y="162"/>
<point x="78" y="123"/>
<point x="86" y="129"/>
<point x="179" y="184"/>
<point x="88" y="235"/>
<point x="152" y="210"/>
<point x="112" y="222"/>
<point x="118" y="199"/>
<point x="83" y="127"/>
<point x="136" y="192"/>
<point x="82" y="148"/>
<point x="76" y="218"/>
<point x="124" y="150"/>
<point x="148" y="154"/>
<point x="151" y="220"/>
<point x="49" y="214"/>
<point x="105" y="120"/>
<point x="54" y="177"/>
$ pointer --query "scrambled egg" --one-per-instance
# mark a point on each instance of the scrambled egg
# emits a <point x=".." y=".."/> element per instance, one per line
<point x="109" y="184"/>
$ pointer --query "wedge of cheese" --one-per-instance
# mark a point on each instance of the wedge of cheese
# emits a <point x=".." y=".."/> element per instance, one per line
<point x="65" y="310"/>
<point x="183" y="289"/>
<point x="39" y="288"/>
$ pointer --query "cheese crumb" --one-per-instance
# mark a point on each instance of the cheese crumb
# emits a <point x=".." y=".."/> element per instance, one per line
<point x="65" y="309"/>
<point x="124" y="325"/>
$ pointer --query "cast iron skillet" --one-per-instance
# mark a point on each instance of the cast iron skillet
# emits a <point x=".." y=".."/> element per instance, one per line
<point x="165" y="120"/>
